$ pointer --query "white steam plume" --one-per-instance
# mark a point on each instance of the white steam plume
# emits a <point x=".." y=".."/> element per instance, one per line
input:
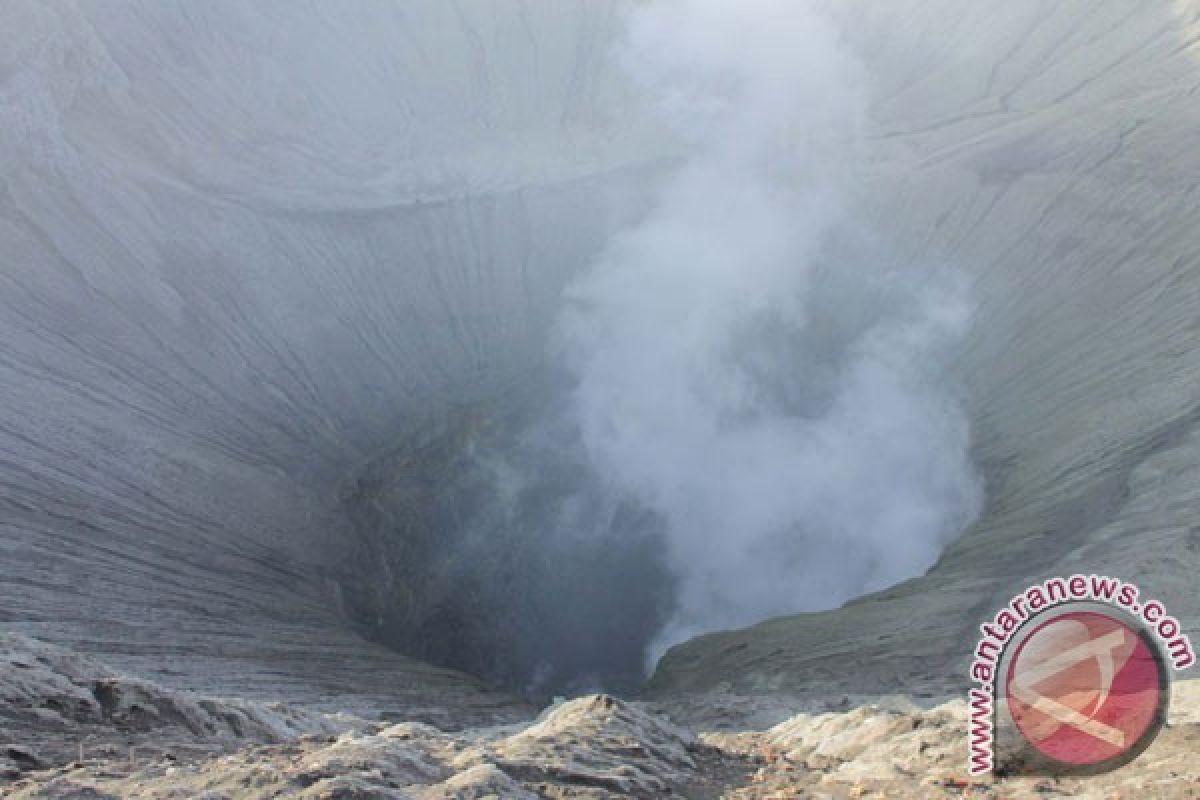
<point x="695" y="338"/>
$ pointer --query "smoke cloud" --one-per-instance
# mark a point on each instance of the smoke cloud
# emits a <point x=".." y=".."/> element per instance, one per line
<point x="787" y="418"/>
<point x="747" y="411"/>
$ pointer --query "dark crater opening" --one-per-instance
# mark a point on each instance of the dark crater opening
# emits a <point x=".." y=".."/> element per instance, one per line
<point x="485" y="543"/>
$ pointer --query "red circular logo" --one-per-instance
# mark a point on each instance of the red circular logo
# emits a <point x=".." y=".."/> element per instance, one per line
<point x="1085" y="688"/>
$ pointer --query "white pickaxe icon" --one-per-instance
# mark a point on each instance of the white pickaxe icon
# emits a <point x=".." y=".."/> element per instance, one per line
<point x="1100" y="649"/>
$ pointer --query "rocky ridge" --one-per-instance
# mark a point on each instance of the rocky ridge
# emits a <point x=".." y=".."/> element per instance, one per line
<point x="76" y="729"/>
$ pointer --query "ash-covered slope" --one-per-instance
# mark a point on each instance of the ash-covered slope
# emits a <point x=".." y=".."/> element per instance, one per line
<point x="1050" y="155"/>
<point x="245" y="249"/>
<point x="264" y="266"/>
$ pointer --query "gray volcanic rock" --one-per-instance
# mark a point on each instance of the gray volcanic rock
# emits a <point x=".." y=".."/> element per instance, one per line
<point x="592" y="747"/>
<point x="77" y="726"/>
<point x="57" y="706"/>
<point x="1049" y="155"/>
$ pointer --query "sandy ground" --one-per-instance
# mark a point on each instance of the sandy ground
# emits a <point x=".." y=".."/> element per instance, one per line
<point x="73" y="729"/>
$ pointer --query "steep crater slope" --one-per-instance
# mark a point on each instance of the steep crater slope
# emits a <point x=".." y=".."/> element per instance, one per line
<point x="234" y="311"/>
<point x="248" y="252"/>
<point x="1049" y="155"/>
